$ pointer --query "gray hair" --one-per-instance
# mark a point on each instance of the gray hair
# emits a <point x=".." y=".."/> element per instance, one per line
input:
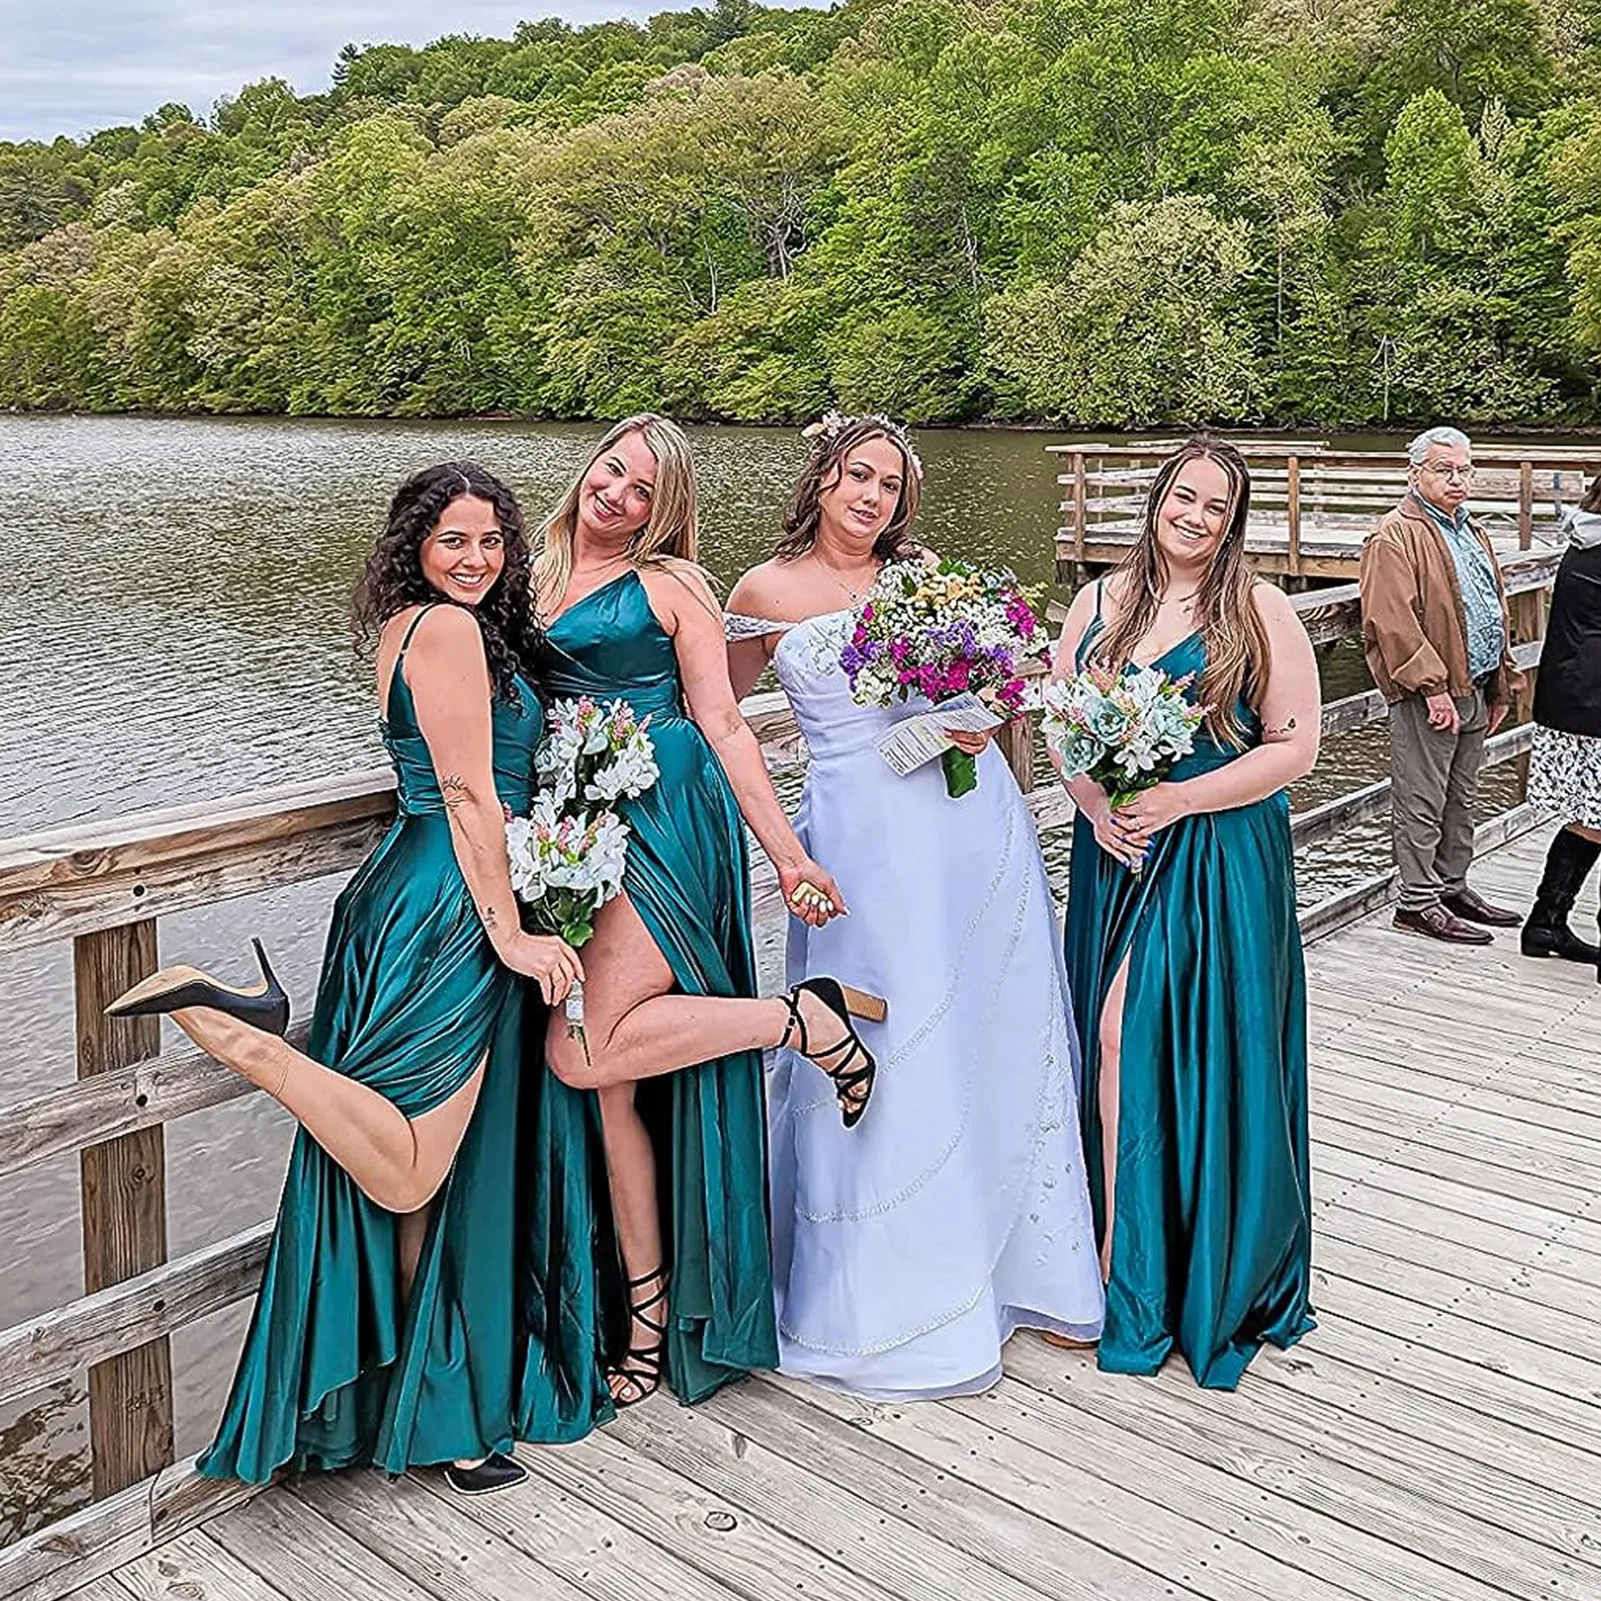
<point x="1453" y="438"/>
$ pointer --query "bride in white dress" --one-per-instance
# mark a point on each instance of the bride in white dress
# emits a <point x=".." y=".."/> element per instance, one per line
<point x="907" y="1249"/>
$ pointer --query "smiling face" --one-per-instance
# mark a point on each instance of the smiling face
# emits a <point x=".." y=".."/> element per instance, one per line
<point x="1194" y="514"/>
<point x="466" y="552"/>
<point x="861" y="504"/>
<point x="618" y="491"/>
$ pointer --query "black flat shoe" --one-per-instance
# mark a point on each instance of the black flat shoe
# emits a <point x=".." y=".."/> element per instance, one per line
<point x="264" y="1005"/>
<point x="496" y="1472"/>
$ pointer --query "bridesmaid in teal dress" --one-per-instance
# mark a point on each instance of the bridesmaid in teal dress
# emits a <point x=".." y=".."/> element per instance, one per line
<point x="1186" y="974"/>
<point x="386" y="1329"/>
<point x="672" y="1031"/>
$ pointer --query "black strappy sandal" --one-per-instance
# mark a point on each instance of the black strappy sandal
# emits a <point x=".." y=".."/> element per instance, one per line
<point x="848" y="1079"/>
<point x="641" y="1367"/>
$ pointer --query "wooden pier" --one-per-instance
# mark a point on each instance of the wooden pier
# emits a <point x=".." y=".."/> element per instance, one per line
<point x="1311" y="506"/>
<point x="1439" y="1435"/>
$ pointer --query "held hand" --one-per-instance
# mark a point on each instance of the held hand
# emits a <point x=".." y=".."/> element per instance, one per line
<point x="968" y="743"/>
<point x="1499" y="711"/>
<point x="1150" y="811"/>
<point x="1109" y="834"/>
<point x="810" y="893"/>
<point x="1442" y="713"/>
<point x="551" y="962"/>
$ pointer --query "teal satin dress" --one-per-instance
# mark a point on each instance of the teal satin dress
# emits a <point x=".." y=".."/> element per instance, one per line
<point x="338" y="1369"/>
<point x="1212" y="1228"/>
<point x="688" y="877"/>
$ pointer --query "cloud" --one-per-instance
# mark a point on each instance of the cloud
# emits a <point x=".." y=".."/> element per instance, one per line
<point x="73" y="66"/>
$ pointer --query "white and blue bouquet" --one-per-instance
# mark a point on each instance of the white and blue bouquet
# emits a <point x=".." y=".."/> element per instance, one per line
<point x="1127" y="731"/>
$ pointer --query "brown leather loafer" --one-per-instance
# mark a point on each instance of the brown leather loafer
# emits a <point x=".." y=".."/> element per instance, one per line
<point x="1473" y="908"/>
<point x="1438" y="923"/>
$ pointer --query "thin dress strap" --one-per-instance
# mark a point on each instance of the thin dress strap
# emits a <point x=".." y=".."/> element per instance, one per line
<point x="737" y="627"/>
<point x="411" y="628"/>
<point x="1098" y="590"/>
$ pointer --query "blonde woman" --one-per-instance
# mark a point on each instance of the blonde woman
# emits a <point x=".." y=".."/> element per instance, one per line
<point x="673" y="1035"/>
<point x="1187" y="976"/>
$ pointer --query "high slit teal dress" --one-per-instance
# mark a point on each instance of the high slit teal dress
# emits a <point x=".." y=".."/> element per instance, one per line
<point x="1212" y="1236"/>
<point x="688" y="878"/>
<point x="338" y="1369"/>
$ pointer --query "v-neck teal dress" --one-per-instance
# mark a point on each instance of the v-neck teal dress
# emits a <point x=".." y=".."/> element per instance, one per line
<point x="338" y="1368"/>
<point x="1212" y="1225"/>
<point x="688" y="877"/>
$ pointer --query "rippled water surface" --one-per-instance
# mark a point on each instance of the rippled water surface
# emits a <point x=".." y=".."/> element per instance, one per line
<point x="173" y="603"/>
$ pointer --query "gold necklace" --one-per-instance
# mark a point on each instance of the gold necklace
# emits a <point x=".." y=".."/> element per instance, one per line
<point x="854" y="595"/>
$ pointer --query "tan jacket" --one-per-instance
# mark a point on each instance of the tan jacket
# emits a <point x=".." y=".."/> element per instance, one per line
<point x="1413" y="628"/>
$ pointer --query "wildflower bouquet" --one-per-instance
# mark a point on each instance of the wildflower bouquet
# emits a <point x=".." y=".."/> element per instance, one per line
<point x="942" y="631"/>
<point x="567" y="856"/>
<point x="1127" y="731"/>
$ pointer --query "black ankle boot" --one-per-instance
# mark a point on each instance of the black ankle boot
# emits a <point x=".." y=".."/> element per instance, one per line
<point x="1546" y="933"/>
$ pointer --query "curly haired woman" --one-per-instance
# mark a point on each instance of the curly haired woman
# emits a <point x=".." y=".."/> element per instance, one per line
<point x="385" y="1331"/>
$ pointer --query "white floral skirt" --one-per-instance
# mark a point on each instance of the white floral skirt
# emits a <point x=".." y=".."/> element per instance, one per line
<point x="1565" y="776"/>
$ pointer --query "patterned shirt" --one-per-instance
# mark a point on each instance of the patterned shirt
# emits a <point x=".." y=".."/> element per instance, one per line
<point x="1481" y="593"/>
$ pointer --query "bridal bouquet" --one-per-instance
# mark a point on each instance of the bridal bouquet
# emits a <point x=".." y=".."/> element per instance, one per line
<point x="941" y="631"/>
<point x="1127" y="731"/>
<point x="567" y="856"/>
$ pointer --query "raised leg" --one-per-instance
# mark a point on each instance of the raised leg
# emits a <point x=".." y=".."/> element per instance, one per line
<point x="397" y="1162"/>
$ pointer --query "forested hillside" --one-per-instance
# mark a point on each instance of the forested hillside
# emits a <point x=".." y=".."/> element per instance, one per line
<point x="1093" y="212"/>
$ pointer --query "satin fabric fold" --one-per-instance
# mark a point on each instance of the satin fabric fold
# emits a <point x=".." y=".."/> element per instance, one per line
<point x="1212" y="1224"/>
<point x="338" y="1368"/>
<point x="688" y="876"/>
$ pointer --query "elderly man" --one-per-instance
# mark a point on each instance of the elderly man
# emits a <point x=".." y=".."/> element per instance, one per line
<point x="1434" y="623"/>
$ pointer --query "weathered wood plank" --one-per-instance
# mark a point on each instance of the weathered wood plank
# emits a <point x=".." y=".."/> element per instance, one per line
<point x="301" y="1552"/>
<point x="195" y="1568"/>
<point x="436" y="1544"/>
<point x="118" y="1101"/>
<point x="124" y="1214"/>
<point x="130" y="1313"/>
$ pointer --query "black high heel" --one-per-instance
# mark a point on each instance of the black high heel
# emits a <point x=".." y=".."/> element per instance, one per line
<point x="844" y="1003"/>
<point x="264" y="1005"/>
<point x="641" y="1368"/>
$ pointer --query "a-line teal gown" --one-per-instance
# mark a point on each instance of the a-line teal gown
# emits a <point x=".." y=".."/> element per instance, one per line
<point x="688" y="878"/>
<point x="1212" y="1234"/>
<point x="338" y="1369"/>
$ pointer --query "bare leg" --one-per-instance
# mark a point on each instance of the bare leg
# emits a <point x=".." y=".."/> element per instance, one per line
<point x="410" y="1231"/>
<point x="397" y="1162"/>
<point x="631" y="1170"/>
<point x="1108" y="1088"/>
<point x="637" y="1028"/>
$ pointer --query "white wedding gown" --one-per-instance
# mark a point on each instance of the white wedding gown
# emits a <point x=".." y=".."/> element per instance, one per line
<point x="907" y="1250"/>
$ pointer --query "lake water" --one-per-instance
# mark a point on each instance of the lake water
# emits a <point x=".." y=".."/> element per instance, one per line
<point x="173" y="628"/>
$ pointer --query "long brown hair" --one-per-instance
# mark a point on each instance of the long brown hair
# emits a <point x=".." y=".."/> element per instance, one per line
<point x="1592" y="500"/>
<point x="824" y="468"/>
<point x="1237" y="649"/>
<point x="670" y="535"/>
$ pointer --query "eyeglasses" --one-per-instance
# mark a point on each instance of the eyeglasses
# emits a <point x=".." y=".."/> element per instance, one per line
<point x="1451" y="474"/>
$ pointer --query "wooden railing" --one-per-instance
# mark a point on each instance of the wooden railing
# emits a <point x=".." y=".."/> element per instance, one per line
<point x="104" y="885"/>
<point x="1311" y="506"/>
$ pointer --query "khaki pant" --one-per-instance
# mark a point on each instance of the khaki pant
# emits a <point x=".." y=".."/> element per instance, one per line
<point x="1434" y="778"/>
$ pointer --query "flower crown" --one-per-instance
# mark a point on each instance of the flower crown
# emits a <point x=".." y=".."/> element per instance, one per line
<point x="833" y="423"/>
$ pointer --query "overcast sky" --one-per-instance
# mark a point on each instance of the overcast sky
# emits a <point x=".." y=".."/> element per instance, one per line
<point x="72" y="66"/>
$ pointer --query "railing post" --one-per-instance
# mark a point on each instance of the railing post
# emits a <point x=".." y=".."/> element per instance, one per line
<point x="1525" y="507"/>
<point x="1528" y="612"/>
<point x="124" y="1196"/>
<point x="1016" y="740"/>
<point x="1080" y="508"/>
<point x="1292" y="484"/>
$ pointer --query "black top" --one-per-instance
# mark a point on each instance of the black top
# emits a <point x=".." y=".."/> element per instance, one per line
<point x="1567" y="689"/>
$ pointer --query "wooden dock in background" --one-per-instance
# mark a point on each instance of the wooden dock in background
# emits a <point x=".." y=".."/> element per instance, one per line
<point x="1311" y="506"/>
<point x="1439" y="1436"/>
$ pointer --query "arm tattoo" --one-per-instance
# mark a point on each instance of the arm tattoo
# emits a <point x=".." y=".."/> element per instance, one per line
<point x="1288" y="728"/>
<point x="454" y="789"/>
<point x="491" y="922"/>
